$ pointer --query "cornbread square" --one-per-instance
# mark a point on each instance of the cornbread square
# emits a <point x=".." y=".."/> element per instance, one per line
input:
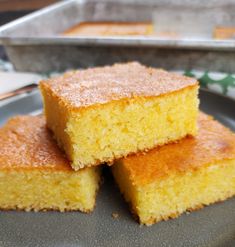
<point x="110" y="29"/>
<point x="101" y="114"/>
<point x="187" y="175"/>
<point x="34" y="174"/>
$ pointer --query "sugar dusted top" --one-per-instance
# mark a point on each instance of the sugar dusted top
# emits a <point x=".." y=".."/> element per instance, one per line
<point x="101" y="85"/>
<point x="213" y="143"/>
<point x="26" y="143"/>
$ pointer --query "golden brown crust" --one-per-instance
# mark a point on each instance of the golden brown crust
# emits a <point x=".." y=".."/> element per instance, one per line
<point x="110" y="28"/>
<point x="213" y="143"/>
<point x="92" y="86"/>
<point x="25" y="143"/>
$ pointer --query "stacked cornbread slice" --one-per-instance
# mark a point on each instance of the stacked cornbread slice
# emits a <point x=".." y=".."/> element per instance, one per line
<point x="35" y="175"/>
<point x="98" y="115"/>
<point x="141" y="120"/>
<point x="181" y="176"/>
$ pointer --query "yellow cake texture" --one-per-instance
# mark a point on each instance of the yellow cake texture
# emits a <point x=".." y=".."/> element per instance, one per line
<point x="110" y="29"/>
<point x="101" y="114"/>
<point x="35" y="175"/>
<point x="169" y="180"/>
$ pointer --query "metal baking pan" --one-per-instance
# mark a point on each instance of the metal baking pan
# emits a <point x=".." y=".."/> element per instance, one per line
<point x="34" y="42"/>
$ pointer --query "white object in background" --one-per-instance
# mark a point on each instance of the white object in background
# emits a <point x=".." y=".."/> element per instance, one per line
<point x="10" y="81"/>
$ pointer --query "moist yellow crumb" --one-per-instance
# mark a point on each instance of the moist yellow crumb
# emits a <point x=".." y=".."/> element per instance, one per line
<point x="184" y="176"/>
<point x="34" y="173"/>
<point x="100" y="114"/>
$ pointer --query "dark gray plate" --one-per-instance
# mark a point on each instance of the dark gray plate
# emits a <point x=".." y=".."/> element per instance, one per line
<point x="212" y="226"/>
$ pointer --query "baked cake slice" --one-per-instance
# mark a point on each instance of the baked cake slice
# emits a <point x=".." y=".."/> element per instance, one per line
<point x="174" y="178"/>
<point x="101" y="114"/>
<point x="34" y="174"/>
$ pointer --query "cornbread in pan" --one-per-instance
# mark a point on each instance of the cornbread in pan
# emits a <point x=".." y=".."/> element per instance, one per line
<point x="101" y="114"/>
<point x="224" y="33"/>
<point x="110" y="29"/>
<point x="187" y="175"/>
<point x="34" y="175"/>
